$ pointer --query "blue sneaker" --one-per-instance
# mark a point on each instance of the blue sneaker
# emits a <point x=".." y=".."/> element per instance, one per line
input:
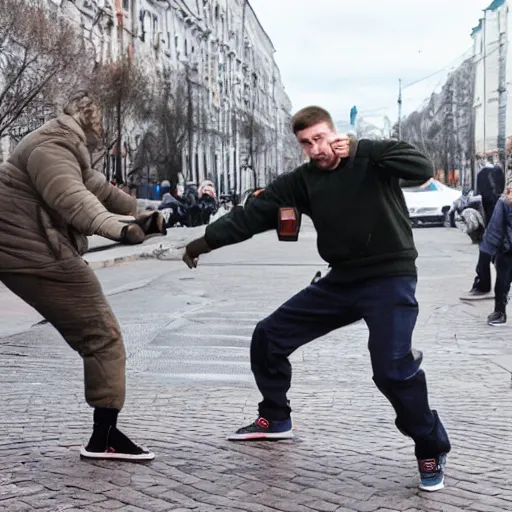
<point x="432" y="473"/>
<point x="263" y="429"/>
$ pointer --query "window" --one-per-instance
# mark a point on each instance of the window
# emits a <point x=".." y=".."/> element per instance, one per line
<point x="126" y="5"/>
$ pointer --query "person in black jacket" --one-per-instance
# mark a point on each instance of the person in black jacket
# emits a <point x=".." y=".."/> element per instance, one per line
<point x="352" y="193"/>
<point x="490" y="183"/>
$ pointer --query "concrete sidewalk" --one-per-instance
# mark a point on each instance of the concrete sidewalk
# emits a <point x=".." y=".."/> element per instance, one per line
<point x="106" y="253"/>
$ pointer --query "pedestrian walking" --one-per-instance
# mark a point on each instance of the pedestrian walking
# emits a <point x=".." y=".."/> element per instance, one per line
<point x="490" y="185"/>
<point x="50" y="200"/>
<point x="351" y="190"/>
<point x="497" y="243"/>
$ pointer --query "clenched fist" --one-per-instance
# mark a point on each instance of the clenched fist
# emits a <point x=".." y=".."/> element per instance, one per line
<point x="146" y="224"/>
<point x="132" y="234"/>
<point x="193" y="250"/>
<point x="340" y="145"/>
<point x="152" y="223"/>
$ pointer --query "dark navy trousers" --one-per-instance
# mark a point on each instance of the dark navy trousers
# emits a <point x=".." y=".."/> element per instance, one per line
<point x="389" y="308"/>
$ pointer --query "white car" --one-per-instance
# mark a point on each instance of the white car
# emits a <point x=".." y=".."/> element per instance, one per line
<point x="430" y="203"/>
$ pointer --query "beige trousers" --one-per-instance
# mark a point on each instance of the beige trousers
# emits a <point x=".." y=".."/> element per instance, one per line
<point x="69" y="295"/>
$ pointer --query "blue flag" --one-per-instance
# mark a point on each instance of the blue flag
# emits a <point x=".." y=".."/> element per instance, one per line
<point x="353" y="115"/>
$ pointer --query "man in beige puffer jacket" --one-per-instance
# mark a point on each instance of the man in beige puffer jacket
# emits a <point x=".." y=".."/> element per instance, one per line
<point x="50" y="200"/>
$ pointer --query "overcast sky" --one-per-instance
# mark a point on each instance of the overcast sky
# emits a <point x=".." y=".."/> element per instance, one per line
<point x="339" y="53"/>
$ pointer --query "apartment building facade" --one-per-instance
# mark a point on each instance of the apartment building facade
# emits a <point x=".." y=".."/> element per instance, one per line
<point x="228" y="61"/>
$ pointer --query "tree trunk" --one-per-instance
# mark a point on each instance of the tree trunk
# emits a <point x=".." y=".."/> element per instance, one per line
<point x="119" y="157"/>
<point x="255" y="177"/>
<point x="190" y="125"/>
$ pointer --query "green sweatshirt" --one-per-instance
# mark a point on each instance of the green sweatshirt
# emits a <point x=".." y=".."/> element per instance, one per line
<point x="358" y="210"/>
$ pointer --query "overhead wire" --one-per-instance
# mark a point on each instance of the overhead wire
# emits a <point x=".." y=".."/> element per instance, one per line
<point x="430" y="75"/>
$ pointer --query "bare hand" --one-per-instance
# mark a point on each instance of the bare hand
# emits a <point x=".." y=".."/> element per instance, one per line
<point x="341" y="146"/>
<point x="190" y="262"/>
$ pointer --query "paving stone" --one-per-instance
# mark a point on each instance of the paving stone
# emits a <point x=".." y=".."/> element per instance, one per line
<point x="187" y="336"/>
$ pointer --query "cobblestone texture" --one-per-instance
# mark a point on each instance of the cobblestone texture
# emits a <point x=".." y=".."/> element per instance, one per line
<point x="187" y="336"/>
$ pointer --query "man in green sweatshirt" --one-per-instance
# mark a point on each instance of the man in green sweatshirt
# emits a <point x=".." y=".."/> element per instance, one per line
<point x="351" y="190"/>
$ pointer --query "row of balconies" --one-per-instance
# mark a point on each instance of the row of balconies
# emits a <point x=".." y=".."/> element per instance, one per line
<point x="249" y="79"/>
<point x="161" y="44"/>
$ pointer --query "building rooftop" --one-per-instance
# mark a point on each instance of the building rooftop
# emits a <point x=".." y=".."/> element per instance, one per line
<point x="494" y="5"/>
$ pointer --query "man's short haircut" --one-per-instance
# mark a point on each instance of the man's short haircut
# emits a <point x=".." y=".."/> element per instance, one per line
<point x="309" y="116"/>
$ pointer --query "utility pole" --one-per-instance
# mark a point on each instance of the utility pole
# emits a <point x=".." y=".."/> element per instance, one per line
<point x="120" y="88"/>
<point x="278" y="167"/>
<point x="190" y="123"/>
<point x="399" y="108"/>
<point x="485" y="80"/>
<point x="241" y="52"/>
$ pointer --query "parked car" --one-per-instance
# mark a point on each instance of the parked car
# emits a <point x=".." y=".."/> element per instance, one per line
<point x="430" y="203"/>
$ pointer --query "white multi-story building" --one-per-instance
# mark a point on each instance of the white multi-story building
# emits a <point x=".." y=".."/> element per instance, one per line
<point x="232" y="78"/>
<point x="490" y="93"/>
<point x="470" y="120"/>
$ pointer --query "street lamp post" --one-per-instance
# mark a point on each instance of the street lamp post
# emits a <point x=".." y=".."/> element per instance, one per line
<point x="399" y="108"/>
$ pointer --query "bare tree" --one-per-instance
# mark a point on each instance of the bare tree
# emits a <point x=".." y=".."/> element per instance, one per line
<point x="40" y="54"/>
<point x="443" y="128"/>
<point x="255" y="136"/>
<point x="143" y="166"/>
<point x="201" y="121"/>
<point x="173" y="123"/>
<point x="162" y="146"/>
<point x="177" y="118"/>
<point x="197" y="117"/>
<point x="124" y="92"/>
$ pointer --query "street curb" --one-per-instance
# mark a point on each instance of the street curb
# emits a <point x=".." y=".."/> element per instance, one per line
<point x="167" y="248"/>
<point x="171" y="253"/>
<point x="111" y="262"/>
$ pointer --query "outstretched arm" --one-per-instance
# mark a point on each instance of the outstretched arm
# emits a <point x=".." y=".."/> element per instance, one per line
<point x="260" y="215"/>
<point x="57" y="177"/>
<point x="114" y="199"/>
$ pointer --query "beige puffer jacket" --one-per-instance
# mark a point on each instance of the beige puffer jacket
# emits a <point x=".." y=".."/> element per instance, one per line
<point x="51" y="199"/>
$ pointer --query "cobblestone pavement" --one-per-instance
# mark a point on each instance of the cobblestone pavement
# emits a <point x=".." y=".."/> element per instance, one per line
<point x="189" y="383"/>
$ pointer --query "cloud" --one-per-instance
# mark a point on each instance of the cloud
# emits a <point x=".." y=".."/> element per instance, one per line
<point x="339" y="53"/>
